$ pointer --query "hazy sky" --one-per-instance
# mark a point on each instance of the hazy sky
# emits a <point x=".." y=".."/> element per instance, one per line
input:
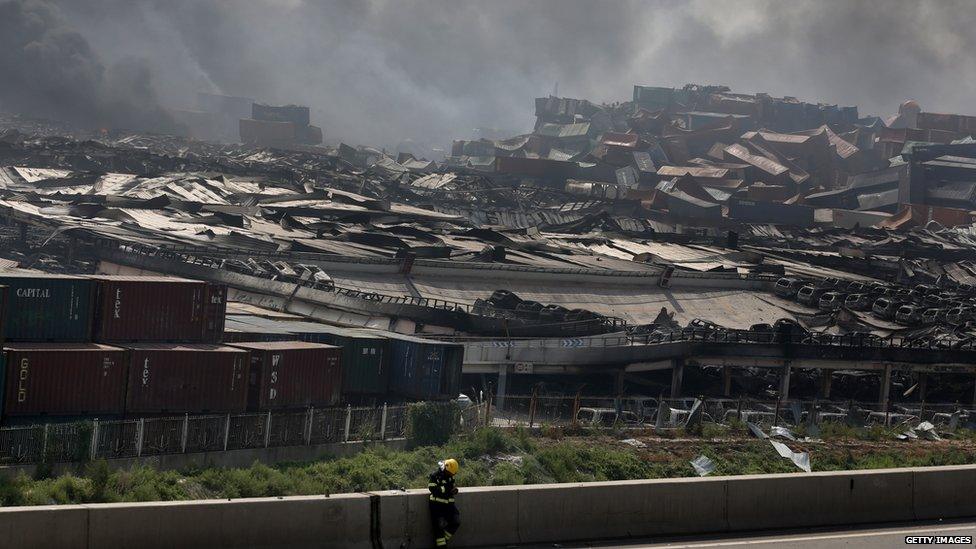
<point x="377" y="71"/>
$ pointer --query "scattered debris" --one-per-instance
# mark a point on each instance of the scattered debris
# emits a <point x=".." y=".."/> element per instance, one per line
<point x="703" y="466"/>
<point x="801" y="460"/>
<point x="634" y="442"/>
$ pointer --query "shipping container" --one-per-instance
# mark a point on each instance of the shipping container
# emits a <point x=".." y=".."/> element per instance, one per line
<point x="3" y="319"/>
<point x="46" y="307"/>
<point x="293" y="375"/>
<point x="157" y="309"/>
<point x="424" y="369"/>
<point x="64" y="379"/>
<point x="186" y="378"/>
<point x="296" y="114"/>
<point x="261" y="132"/>
<point x="748" y="211"/>
<point x="365" y="353"/>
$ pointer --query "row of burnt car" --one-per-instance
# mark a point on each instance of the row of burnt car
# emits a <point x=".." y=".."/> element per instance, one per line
<point x="922" y="304"/>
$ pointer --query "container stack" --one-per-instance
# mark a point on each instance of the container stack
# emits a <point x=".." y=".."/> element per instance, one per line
<point x="115" y="346"/>
<point x="279" y="126"/>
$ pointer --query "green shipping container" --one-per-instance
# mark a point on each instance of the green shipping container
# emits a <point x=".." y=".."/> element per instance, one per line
<point x="46" y="307"/>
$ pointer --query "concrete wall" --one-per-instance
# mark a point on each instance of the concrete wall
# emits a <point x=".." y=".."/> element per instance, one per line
<point x="510" y="514"/>
<point x="228" y="459"/>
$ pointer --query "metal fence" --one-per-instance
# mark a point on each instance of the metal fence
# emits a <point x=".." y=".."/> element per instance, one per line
<point x="646" y="413"/>
<point x="66" y="442"/>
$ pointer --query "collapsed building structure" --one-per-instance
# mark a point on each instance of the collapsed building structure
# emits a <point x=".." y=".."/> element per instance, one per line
<point x="639" y="231"/>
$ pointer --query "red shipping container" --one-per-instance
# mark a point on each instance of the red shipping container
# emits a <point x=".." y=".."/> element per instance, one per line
<point x="64" y="379"/>
<point x="168" y="377"/>
<point x="293" y="374"/>
<point x="151" y="308"/>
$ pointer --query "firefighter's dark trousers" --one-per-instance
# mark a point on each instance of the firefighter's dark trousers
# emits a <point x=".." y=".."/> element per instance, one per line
<point x="445" y="520"/>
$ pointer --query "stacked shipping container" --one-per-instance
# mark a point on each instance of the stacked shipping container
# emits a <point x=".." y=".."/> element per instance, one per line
<point x="180" y="378"/>
<point x="64" y="379"/>
<point x="43" y="307"/>
<point x="145" y="308"/>
<point x="155" y="351"/>
<point x="286" y="374"/>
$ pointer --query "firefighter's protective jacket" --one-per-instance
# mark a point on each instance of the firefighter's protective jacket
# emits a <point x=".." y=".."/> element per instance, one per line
<point x="441" y="487"/>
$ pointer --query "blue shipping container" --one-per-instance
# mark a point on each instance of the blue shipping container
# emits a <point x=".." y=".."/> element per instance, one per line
<point x="46" y="307"/>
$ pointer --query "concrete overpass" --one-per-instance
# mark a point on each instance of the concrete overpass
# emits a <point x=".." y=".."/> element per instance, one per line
<point x="618" y="355"/>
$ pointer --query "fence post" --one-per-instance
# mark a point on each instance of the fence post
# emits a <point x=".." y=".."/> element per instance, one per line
<point x="308" y="426"/>
<point x="44" y="442"/>
<point x="345" y="437"/>
<point x="140" y="436"/>
<point x="267" y="430"/>
<point x="383" y="424"/>
<point x="186" y="430"/>
<point x="532" y="404"/>
<point x="226" y="432"/>
<point x="93" y="450"/>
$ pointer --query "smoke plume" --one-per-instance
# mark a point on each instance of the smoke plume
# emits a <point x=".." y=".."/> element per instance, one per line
<point x="378" y="71"/>
<point x="51" y="71"/>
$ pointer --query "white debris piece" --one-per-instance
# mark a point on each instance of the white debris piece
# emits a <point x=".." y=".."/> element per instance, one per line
<point x="703" y="466"/>
<point x="782" y="432"/>
<point x="634" y="442"/>
<point x="801" y="460"/>
<point x="756" y="431"/>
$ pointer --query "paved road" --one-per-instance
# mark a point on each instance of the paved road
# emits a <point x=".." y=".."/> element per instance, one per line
<point x="870" y="537"/>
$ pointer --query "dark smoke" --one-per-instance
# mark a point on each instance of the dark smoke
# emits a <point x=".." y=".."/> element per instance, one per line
<point x="378" y="71"/>
<point x="51" y="71"/>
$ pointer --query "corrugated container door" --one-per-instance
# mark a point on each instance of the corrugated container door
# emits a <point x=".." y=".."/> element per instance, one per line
<point x="3" y="318"/>
<point x="48" y="308"/>
<point x="215" y="312"/>
<point x="451" y="372"/>
<point x="432" y="368"/>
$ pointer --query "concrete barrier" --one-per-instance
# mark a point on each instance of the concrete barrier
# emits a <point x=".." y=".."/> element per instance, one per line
<point x="945" y="492"/>
<point x="48" y="526"/>
<point x="507" y="515"/>
<point x="758" y="502"/>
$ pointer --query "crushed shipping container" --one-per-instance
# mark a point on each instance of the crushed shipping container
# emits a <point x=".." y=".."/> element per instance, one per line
<point x="293" y="375"/>
<point x="64" y="379"/>
<point x="179" y="378"/>
<point x="46" y="307"/>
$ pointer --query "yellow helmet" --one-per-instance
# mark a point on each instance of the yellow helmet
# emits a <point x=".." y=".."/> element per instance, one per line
<point x="451" y="466"/>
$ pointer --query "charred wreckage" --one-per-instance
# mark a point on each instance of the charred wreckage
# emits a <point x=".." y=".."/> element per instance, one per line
<point x="740" y="233"/>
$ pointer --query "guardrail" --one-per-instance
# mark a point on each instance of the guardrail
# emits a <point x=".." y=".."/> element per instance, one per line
<point x="208" y="261"/>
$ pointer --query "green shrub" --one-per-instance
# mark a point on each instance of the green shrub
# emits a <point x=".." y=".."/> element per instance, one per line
<point x="432" y="423"/>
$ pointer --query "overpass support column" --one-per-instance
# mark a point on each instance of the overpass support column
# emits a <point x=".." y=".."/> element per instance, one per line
<point x="784" y="382"/>
<point x="826" y="377"/>
<point x="974" y="394"/>
<point x="727" y="381"/>
<point x="885" y="386"/>
<point x="502" y="386"/>
<point x="677" y="373"/>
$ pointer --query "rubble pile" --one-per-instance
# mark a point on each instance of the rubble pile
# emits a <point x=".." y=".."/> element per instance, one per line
<point x="866" y="222"/>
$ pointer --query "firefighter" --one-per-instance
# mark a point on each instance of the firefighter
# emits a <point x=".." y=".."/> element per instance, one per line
<point x="444" y="516"/>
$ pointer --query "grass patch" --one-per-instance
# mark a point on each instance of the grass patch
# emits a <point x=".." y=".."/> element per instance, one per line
<point x="488" y="457"/>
